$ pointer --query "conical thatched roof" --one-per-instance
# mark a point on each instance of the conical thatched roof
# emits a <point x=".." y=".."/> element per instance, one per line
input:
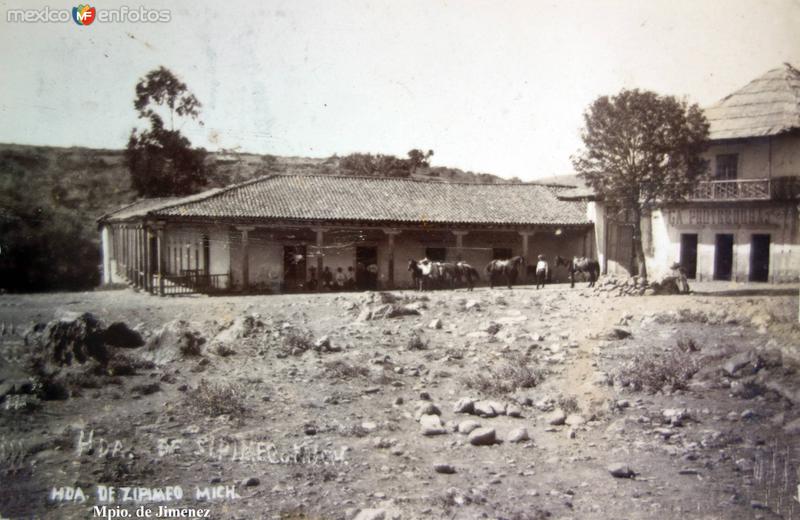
<point x="768" y="105"/>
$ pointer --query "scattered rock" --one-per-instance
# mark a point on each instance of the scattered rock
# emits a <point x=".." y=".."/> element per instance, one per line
<point x="431" y="425"/>
<point x="468" y="426"/>
<point x="435" y="324"/>
<point x="441" y="467"/>
<point x="464" y="405"/>
<point x="620" y="470"/>
<point x="557" y="417"/>
<point x="483" y="437"/>
<point x="371" y="514"/>
<point x="518" y="435"/>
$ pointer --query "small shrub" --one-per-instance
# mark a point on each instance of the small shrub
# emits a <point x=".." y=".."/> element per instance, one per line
<point x="295" y="343"/>
<point x="224" y="350"/>
<point x="514" y="374"/>
<point x="651" y="372"/>
<point x="415" y="342"/>
<point x="568" y="404"/>
<point x="687" y="345"/>
<point x="215" y="399"/>
<point x="344" y="371"/>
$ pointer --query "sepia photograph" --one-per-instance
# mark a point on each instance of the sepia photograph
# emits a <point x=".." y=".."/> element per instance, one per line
<point x="400" y="260"/>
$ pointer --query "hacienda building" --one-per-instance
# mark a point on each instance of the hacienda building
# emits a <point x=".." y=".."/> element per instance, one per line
<point x="742" y="225"/>
<point x="280" y="233"/>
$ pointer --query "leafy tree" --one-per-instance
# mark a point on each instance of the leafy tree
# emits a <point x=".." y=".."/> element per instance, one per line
<point x="161" y="161"/>
<point x="419" y="159"/>
<point x="385" y="165"/>
<point x="642" y="148"/>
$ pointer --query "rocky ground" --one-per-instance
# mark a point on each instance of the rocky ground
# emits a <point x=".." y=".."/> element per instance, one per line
<point x="521" y="404"/>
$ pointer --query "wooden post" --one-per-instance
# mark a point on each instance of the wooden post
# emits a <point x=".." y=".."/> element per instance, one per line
<point x="460" y="244"/>
<point x="391" y="233"/>
<point x="148" y="255"/>
<point x="245" y="230"/>
<point x="161" y="258"/>
<point x="525" y="235"/>
<point x="320" y="243"/>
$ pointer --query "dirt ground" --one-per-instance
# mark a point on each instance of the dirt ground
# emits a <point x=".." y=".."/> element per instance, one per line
<point x="342" y="406"/>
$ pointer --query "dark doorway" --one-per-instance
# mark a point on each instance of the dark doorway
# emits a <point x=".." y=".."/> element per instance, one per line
<point x="294" y="268"/>
<point x="689" y="254"/>
<point x="367" y="268"/>
<point x="501" y="253"/>
<point x="723" y="257"/>
<point x="436" y="254"/>
<point x="759" y="258"/>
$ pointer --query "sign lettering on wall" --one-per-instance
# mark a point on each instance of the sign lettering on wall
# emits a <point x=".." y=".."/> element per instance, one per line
<point x="723" y="216"/>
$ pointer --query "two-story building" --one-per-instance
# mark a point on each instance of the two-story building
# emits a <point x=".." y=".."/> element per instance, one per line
<point x="742" y="225"/>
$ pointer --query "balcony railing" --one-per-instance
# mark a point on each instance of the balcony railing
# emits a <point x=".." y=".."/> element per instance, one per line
<point x="740" y="189"/>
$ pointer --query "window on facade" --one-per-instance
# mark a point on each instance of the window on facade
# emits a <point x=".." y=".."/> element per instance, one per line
<point x="436" y="254"/>
<point x="727" y="166"/>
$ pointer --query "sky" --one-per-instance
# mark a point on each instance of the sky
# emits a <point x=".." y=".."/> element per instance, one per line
<point x="494" y="87"/>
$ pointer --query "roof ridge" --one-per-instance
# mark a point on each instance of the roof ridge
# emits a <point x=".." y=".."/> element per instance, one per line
<point x="406" y="179"/>
<point x="129" y="205"/>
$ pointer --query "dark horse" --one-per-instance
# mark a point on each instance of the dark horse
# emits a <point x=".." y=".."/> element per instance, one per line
<point x="580" y="264"/>
<point x="466" y="272"/>
<point x="416" y="275"/>
<point x="509" y="268"/>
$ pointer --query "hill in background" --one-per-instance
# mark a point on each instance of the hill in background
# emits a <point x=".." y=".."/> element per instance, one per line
<point x="51" y="197"/>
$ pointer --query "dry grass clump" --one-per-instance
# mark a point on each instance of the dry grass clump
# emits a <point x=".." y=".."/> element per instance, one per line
<point x="653" y="372"/>
<point x="513" y="374"/>
<point x="344" y="371"/>
<point x="215" y="399"/>
<point x="296" y="343"/>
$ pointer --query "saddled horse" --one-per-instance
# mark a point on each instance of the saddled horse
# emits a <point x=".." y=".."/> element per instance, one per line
<point x="509" y="268"/>
<point x="467" y="273"/>
<point x="580" y="264"/>
<point x="428" y="275"/>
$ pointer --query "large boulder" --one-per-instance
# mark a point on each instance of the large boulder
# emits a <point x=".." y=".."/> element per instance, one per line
<point x="73" y="339"/>
<point x="176" y="340"/>
<point x="118" y="334"/>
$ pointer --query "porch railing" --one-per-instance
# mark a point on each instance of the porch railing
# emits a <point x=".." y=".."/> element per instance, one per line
<point x="193" y="282"/>
<point x="739" y="189"/>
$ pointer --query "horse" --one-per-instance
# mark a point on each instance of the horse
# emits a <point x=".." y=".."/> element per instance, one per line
<point x="466" y="272"/>
<point x="580" y="264"/>
<point x="509" y="268"/>
<point x="416" y="274"/>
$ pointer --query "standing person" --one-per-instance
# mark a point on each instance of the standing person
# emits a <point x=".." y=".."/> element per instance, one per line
<point x="542" y="271"/>
<point x="340" y="279"/>
<point x="350" y="284"/>
<point x="372" y="269"/>
<point x="327" y="278"/>
<point x="312" y="282"/>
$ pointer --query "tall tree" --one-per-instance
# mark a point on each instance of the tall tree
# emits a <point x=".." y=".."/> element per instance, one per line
<point x="161" y="161"/>
<point x="642" y="148"/>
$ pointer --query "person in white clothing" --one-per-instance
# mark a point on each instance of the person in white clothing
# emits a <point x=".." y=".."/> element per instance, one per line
<point x="542" y="271"/>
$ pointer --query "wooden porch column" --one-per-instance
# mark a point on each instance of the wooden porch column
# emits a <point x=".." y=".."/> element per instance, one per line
<point x="161" y="250"/>
<point x="391" y="233"/>
<point x="460" y="243"/>
<point x="148" y="277"/>
<point x="320" y="244"/>
<point x="245" y="230"/>
<point x="525" y="235"/>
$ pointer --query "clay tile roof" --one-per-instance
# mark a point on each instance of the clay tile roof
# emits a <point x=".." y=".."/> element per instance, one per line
<point x="768" y="105"/>
<point x="343" y="198"/>
<point x="142" y="207"/>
